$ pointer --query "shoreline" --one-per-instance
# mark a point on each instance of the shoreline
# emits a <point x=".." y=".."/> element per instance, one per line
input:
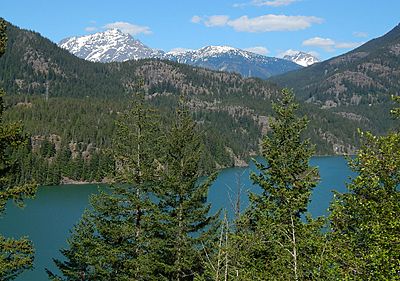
<point x="68" y="181"/>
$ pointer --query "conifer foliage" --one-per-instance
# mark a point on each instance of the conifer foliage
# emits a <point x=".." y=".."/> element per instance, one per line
<point x="115" y="240"/>
<point x="187" y="225"/>
<point x="154" y="223"/>
<point x="365" y="221"/>
<point x="15" y="255"/>
<point x="272" y="237"/>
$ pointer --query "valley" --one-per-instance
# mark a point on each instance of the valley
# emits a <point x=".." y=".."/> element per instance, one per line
<point x="210" y="140"/>
<point x="86" y="97"/>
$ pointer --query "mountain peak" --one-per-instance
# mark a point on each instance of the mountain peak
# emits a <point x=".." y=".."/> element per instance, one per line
<point x="366" y="75"/>
<point x="108" y="45"/>
<point x="114" y="45"/>
<point x="301" y="58"/>
<point x="114" y="32"/>
<point x="217" y="49"/>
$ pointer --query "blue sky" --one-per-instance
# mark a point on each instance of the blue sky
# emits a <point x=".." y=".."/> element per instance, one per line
<point x="324" y="27"/>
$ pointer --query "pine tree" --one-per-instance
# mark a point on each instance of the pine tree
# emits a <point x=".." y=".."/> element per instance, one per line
<point x="365" y="222"/>
<point x="15" y="255"/>
<point x="115" y="240"/>
<point x="274" y="241"/>
<point x="187" y="225"/>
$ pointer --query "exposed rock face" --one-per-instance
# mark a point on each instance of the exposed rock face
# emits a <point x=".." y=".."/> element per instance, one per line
<point x="301" y="58"/>
<point x="366" y="75"/>
<point x="108" y="46"/>
<point x="114" y="45"/>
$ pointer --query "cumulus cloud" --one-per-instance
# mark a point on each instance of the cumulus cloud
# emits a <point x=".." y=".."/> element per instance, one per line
<point x="258" y="50"/>
<point x="196" y="19"/>
<point x="217" y="20"/>
<point x="325" y="43"/>
<point x="130" y="28"/>
<point x="265" y="23"/>
<point x="360" y="34"/>
<point x="240" y="5"/>
<point x="272" y="3"/>
<point x="291" y="52"/>
<point x="330" y="45"/>
<point x="90" y="28"/>
<point x="288" y="52"/>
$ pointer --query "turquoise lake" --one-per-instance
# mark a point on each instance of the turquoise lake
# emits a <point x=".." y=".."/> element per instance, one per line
<point x="48" y="218"/>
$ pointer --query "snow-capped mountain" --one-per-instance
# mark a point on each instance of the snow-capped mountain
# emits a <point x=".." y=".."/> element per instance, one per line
<point x="205" y="53"/>
<point x="225" y="58"/>
<point x="110" y="45"/>
<point x="301" y="58"/>
<point x="114" y="45"/>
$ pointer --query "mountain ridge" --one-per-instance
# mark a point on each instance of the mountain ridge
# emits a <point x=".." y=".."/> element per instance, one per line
<point x="232" y="110"/>
<point x="367" y="75"/>
<point x="114" y="45"/>
<point x="110" y="45"/>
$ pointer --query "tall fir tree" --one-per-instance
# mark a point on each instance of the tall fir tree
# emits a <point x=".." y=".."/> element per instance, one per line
<point x="365" y="222"/>
<point x="273" y="240"/>
<point x="116" y="239"/>
<point x="16" y="255"/>
<point x="188" y="228"/>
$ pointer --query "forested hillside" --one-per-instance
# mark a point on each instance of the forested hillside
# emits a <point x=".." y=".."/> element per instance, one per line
<point x="155" y="139"/>
<point x="69" y="106"/>
<point x="356" y="85"/>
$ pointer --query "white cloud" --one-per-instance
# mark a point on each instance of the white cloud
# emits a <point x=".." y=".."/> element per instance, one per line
<point x="288" y="52"/>
<point x="196" y="19"/>
<point x="325" y="43"/>
<point x="239" y="5"/>
<point x="272" y="3"/>
<point x="217" y="20"/>
<point x="330" y="45"/>
<point x="267" y="23"/>
<point x="258" y="50"/>
<point x="360" y="34"/>
<point x="291" y="52"/>
<point x="90" y="28"/>
<point x="127" y="27"/>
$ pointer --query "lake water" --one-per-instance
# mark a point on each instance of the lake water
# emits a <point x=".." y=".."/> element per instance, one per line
<point x="48" y="218"/>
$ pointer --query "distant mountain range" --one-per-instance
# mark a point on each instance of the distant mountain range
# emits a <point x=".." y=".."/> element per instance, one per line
<point x="232" y="110"/>
<point x="114" y="45"/>
<point x="342" y="94"/>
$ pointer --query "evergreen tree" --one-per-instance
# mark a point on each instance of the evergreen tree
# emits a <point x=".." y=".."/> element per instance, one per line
<point x="365" y="222"/>
<point x="15" y="255"/>
<point x="186" y="224"/>
<point x="115" y="240"/>
<point x="273" y="240"/>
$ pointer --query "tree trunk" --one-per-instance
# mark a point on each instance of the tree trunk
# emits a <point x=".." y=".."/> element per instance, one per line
<point x="294" y="253"/>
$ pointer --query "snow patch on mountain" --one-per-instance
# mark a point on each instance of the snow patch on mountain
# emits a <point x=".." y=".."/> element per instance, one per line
<point x="107" y="46"/>
<point x="299" y="57"/>
<point x="114" y="45"/>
